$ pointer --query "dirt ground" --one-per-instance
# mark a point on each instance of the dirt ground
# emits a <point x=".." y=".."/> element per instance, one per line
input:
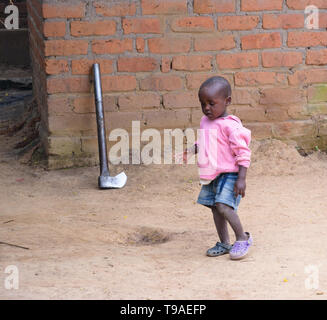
<point x="148" y="240"/>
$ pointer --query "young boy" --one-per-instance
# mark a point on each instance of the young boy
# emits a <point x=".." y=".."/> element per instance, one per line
<point x="224" y="156"/>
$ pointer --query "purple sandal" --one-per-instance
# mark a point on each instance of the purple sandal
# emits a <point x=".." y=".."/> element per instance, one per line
<point x="241" y="248"/>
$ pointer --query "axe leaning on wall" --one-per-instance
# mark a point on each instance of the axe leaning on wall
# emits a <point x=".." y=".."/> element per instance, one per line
<point x="105" y="181"/>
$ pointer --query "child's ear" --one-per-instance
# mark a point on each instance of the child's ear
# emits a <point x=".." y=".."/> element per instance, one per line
<point x="228" y="100"/>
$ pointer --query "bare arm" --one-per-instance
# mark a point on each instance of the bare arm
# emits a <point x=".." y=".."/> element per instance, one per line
<point x="240" y="184"/>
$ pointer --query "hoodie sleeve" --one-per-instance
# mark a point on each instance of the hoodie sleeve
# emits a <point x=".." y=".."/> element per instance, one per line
<point x="240" y="139"/>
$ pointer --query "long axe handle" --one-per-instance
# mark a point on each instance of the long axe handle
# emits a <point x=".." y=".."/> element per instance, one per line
<point x="104" y="170"/>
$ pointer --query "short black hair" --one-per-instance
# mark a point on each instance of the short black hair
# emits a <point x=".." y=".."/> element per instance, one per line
<point x="224" y="84"/>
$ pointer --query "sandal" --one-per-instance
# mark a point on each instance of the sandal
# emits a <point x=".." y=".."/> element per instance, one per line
<point x="241" y="248"/>
<point x="219" y="249"/>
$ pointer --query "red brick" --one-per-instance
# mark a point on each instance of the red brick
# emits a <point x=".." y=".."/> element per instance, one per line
<point x="94" y="28"/>
<point x="308" y="76"/>
<point x="192" y="63"/>
<point x="62" y="10"/>
<point x="214" y="6"/>
<point x="53" y="66"/>
<point x="59" y="105"/>
<point x="317" y="57"/>
<point x="169" y="45"/>
<point x="86" y="104"/>
<point x="118" y="83"/>
<point x="246" y="96"/>
<point x="323" y="20"/>
<point x="238" y="60"/>
<point x="281" y="59"/>
<point x="283" y="21"/>
<point x="121" y="120"/>
<point x="194" y="80"/>
<point x="281" y="96"/>
<point x="156" y="7"/>
<point x="112" y="46"/>
<point x="214" y="43"/>
<point x="258" y="78"/>
<point x="298" y="111"/>
<point x="248" y="113"/>
<point x="261" y="41"/>
<point x="193" y="24"/>
<point x="54" y="29"/>
<point x="84" y="66"/>
<point x="65" y="47"/>
<point x="168" y="119"/>
<point x="261" y="5"/>
<point x="140" y="45"/>
<point x="115" y="10"/>
<point x="165" y="64"/>
<point x="72" y="123"/>
<point x="292" y="129"/>
<point x="130" y="102"/>
<point x="161" y="83"/>
<point x="274" y="113"/>
<point x="302" y="4"/>
<point x="196" y="116"/>
<point x="259" y="130"/>
<point x="142" y="25"/>
<point x="137" y="64"/>
<point x="175" y="100"/>
<point x="237" y="22"/>
<point x="68" y="85"/>
<point x="307" y="39"/>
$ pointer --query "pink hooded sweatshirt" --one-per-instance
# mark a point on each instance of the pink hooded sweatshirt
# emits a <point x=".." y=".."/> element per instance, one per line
<point x="223" y="145"/>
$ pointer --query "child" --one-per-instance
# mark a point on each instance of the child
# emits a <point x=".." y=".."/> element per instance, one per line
<point x="224" y="156"/>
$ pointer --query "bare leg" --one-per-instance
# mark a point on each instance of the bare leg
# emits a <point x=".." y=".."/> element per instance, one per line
<point x="221" y="226"/>
<point x="233" y="219"/>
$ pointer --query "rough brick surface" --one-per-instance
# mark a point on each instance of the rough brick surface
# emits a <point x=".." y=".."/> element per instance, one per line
<point x="192" y="63"/>
<point x="63" y="10"/>
<point x="281" y="59"/>
<point x="54" y="29"/>
<point x="238" y="60"/>
<point x="155" y="54"/>
<point x="142" y="25"/>
<point x="261" y="5"/>
<point x="169" y="45"/>
<point x="213" y="6"/>
<point x="124" y="8"/>
<point x="112" y="46"/>
<point x="95" y="28"/>
<point x="193" y="24"/>
<point x="261" y="41"/>
<point x="237" y="22"/>
<point x="155" y="7"/>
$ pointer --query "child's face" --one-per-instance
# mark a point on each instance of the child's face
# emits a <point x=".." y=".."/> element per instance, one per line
<point x="213" y="102"/>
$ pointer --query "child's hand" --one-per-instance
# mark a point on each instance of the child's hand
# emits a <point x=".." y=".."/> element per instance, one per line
<point x="239" y="187"/>
<point x="185" y="155"/>
<point x="181" y="157"/>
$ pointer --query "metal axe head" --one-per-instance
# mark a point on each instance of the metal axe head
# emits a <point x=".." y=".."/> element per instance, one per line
<point x="108" y="182"/>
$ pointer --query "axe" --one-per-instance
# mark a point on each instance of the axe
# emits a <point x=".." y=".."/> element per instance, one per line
<point x="105" y="181"/>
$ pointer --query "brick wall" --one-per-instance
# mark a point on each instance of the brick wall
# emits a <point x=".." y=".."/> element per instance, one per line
<point x="154" y="54"/>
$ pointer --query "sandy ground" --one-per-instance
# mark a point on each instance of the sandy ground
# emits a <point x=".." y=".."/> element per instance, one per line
<point x="148" y="240"/>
